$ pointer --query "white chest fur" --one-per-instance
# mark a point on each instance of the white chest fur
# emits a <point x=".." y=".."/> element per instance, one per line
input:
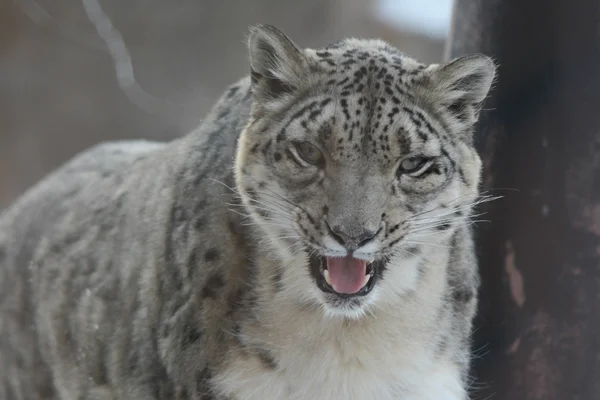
<point x="387" y="354"/>
<point x="374" y="372"/>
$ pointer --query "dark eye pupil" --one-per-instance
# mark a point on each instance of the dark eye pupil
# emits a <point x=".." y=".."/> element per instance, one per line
<point x="309" y="152"/>
<point x="412" y="164"/>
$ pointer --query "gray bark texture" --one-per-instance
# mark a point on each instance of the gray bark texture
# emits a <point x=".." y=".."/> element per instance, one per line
<point x="538" y="328"/>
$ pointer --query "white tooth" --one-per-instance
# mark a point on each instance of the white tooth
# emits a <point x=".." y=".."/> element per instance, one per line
<point x="371" y="261"/>
<point x="367" y="278"/>
<point x="326" y="275"/>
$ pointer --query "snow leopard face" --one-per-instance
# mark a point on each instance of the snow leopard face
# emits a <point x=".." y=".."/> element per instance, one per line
<point x="357" y="162"/>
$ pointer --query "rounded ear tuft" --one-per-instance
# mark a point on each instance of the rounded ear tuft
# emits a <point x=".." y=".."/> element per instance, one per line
<point x="473" y="75"/>
<point x="460" y="87"/>
<point x="276" y="62"/>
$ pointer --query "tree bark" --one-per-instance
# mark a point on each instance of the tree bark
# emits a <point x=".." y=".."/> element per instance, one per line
<point x="538" y="333"/>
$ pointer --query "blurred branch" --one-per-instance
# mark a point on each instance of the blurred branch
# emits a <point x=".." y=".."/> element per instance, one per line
<point x="123" y="64"/>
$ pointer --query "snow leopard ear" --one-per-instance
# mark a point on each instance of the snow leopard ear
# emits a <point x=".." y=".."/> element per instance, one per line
<point x="460" y="87"/>
<point x="277" y="64"/>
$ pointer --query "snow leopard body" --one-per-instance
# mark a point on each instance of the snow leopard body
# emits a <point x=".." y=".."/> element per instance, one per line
<point x="223" y="265"/>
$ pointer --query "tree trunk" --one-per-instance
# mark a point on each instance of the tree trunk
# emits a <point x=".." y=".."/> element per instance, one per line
<point x="538" y="331"/>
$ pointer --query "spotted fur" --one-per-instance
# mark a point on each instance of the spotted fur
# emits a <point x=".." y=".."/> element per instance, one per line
<point x="184" y="270"/>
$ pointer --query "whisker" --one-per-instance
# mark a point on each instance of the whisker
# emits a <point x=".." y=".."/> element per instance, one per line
<point x="275" y="193"/>
<point x="239" y="213"/>
<point x="224" y="184"/>
<point x="483" y="198"/>
<point x="428" y="244"/>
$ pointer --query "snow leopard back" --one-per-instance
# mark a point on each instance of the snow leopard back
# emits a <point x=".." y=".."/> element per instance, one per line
<point x="84" y="295"/>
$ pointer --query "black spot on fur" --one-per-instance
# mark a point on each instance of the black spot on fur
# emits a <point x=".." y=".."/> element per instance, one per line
<point x="414" y="250"/>
<point x="232" y="91"/>
<point x="461" y="175"/>
<point x="262" y="213"/>
<point x="311" y="219"/>
<point x="203" y="384"/>
<point x="267" y="359"/>
<point x="394" y="242"/>
<point x="262" y="185"/>
<point x="183" y="394"/>
<point x="212" y="255"/>
<point x="314" y="114"/>
<point x="236" y="331"/>
<point x="266" y="147"/>
<point x="191" y="333"/>
<point x="444" y="226"/>
<point x="462" y="295"/>
<point x="163" y="387"/>
<point x="234" y="301"/>
<point x="325" y="131"/>
<point x="200" y="223"/>
<point x="395" y="228"/>
<point x="250" y="192"/>
<point x="422" y="135"/>
<point x="277" y="277"/>
<point x="233" y="228"/>
<point x="212" y="286"/>
<point x="224" y="113"/>
<point x="277" y="156"/>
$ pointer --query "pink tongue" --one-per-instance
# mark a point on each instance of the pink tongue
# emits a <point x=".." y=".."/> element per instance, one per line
<point x="347" y="274"/>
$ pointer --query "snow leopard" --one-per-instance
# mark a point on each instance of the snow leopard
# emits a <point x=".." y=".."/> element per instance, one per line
<point x="311" y="239"/>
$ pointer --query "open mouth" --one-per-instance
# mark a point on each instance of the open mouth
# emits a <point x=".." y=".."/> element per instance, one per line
<point x="345" y="276"/>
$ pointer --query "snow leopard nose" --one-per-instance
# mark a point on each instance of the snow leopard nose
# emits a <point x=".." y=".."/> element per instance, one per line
<point x="351" y="239"/>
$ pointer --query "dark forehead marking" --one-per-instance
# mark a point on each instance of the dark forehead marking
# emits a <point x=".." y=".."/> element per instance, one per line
<point x="314" y="108"/>
<point x="298" y="114"/>
<point x="343" y="81"/>
<point x="326" y="130"/>
<point x="404" y="141"/>
<point x="323" y="54"/>
<point x="381" y="68"/>
<point x="344" y="104"/>
<point x="328" y="61"/>
<point x="424" y="128"/>
<point x="424" y="120"/>
<point x="402" y="91"/>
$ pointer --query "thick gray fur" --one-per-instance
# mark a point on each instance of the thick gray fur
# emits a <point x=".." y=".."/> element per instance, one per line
<point x="143" y="270"/>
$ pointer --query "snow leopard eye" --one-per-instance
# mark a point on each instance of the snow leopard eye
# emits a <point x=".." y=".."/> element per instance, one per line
<point x="307" y="154"/>
<point x="414" y="166"/>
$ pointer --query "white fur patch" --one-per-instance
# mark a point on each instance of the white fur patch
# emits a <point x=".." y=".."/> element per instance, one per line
<point x="385" y="354"/>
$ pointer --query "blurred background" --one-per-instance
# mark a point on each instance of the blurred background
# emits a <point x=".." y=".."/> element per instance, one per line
<point x="77" y="72"/>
